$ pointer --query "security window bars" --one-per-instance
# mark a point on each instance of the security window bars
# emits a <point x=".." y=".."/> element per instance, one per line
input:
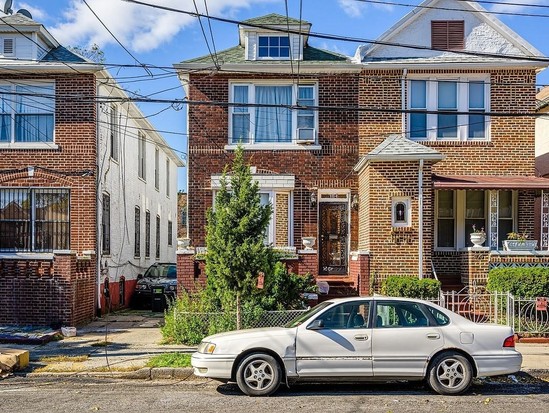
<point x="106" y="225"/>
<point x="445" y="99"/>
<point x="27" y="113"/>
<point x="137" y="233"/>
<point x="157" y="250"/>
<point x="147" y="234"/>
<point x="274" y="47"/>
<point x="34" y="219"/>
<point x="281" y="113"/>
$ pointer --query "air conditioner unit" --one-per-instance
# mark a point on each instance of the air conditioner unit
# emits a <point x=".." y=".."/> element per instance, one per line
<point x="305" y="135"/>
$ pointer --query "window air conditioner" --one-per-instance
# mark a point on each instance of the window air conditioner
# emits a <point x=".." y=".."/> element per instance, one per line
<point x="306" y="135"/>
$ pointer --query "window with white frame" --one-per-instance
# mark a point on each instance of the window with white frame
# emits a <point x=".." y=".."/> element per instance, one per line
<point x="114" y="132"/>
<point x="458" y="107"/>
<point x="273" y="47"/>
<point x="142" y="156"/>
<point x="168" y="179"/>
<point x="280" y="113"/>
<point x="27" y="112"/>
<point x="401" y="212"/>
<point x="147" y="234"/>
<point x="457" y="211"/>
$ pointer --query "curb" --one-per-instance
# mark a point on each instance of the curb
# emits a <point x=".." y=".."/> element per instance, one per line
<point x="144" y="373"/>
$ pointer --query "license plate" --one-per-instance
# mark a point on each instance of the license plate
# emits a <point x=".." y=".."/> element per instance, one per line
<point x="157" y="290"/>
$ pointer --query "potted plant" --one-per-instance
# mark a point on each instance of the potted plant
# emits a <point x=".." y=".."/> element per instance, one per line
<point x="478" y="236"/>
<point x="517" y="241"/>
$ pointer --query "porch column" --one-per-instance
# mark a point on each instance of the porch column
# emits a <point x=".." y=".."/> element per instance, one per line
<point x="493" y="219"/>
<point x="544" y="220"/>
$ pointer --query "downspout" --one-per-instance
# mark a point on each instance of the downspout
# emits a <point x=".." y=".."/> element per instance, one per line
<point x="403" y="100"/>
<point x="97" y="192"/>
<point x="420" y="211"/>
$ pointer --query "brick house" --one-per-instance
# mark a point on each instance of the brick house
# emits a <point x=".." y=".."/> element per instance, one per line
<point x="57" y="170"/>
<point x="393" y="156"/>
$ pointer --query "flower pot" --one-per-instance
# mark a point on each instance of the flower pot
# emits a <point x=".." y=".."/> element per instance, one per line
<point x="478" y="238"/>
<point x="520" y="245"/>
<point x="308" y="242"/>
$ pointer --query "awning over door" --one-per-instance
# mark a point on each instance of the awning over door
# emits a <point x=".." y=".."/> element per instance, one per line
<point x="489" y="182"/>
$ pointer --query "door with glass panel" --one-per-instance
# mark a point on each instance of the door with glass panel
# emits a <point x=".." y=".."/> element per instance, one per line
<point x="333" y="237"/>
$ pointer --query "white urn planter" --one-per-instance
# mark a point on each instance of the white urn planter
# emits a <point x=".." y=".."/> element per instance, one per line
<point x="478" y="238"/>
<point x="308" y="242"/>
<point x="183" y="243"/>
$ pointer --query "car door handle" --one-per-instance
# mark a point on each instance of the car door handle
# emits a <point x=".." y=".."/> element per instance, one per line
<point x="433" y="336"/>
<point x="361" y="337"/>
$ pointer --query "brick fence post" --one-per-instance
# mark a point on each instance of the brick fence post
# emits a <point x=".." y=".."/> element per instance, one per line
<point x="185" y="271"/>
<point x="64" y="267"/>
<point x="308" y="262"/>
<point x="359" y="271"/>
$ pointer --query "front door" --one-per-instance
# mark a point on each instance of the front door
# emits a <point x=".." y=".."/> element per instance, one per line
<point x="333" y="238"/>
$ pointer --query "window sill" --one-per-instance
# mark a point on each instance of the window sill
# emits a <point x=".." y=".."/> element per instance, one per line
<point x="29" y="145"/>
<point x="42" y="256"/>
<point x="275" y="147"/>
<point x="454" y="142"/>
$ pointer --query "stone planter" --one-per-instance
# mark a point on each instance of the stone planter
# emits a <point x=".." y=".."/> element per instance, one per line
<point x="478" y="238"/>
<point x="308" y="242"/>
<point x="520" y="245"/>
<point x="183" y="243"/>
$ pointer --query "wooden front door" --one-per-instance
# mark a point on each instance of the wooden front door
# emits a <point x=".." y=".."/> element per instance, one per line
<point x="333" y="238"/>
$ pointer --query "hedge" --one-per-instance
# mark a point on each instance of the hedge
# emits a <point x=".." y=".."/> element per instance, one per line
<point x="523" y="282"/>
<point x="410" y="286"/>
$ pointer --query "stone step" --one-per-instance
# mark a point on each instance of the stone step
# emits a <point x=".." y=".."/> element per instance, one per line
<point x="13" y="359"/>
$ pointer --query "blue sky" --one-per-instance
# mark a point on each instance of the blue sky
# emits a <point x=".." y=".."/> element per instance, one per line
<point x="163" y="38"/>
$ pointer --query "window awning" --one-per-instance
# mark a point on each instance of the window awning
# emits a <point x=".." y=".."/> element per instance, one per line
<point x="489" y="182"/>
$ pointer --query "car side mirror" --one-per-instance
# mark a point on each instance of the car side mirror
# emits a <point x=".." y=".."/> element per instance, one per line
<point x="139" y="276"/>
<point x="316" y="325"/>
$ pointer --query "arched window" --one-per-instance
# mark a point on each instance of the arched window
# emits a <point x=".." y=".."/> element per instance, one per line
<point x="401" y="214"/>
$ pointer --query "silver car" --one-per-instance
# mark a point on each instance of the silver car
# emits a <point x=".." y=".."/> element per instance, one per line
<point x="366" y="338"/>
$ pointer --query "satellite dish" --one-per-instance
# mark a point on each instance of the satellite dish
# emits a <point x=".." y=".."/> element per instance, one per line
<point x="25" y="13"/>
<point x="7" y="7"/>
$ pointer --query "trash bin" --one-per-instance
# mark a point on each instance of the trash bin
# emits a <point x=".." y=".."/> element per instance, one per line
<point x="158" y="302"/>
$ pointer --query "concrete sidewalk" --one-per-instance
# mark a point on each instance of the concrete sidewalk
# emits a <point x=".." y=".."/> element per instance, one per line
<point x="122" y="344"/>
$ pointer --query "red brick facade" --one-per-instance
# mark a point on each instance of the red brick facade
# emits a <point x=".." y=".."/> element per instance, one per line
<point x="42" y="292"/>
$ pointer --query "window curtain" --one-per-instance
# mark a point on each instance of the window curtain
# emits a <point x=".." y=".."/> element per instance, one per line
<point x="273" y="124"/>
<point x="34" y="113"/>
<point x="6" y="108"/>
<point x="241" y="116"/>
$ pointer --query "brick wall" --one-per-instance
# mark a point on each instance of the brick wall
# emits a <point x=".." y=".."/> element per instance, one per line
<point x="330" y="167"/>
<point x="281" y="220"/>
<point x="47" y="292"/>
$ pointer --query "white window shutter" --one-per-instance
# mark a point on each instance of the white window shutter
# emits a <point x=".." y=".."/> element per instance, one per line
<point x="251" y="52"/>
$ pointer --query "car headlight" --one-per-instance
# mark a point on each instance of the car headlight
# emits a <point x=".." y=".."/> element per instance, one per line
<point x="206" y="347"/>
<point x="142" y="287"/>
<point x="171" y="288"/>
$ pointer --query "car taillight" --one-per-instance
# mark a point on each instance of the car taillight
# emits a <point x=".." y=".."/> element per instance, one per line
<point x="509" y="342"/>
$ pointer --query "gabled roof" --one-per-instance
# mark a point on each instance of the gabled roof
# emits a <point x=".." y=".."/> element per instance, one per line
<point x="237" y="55"/>
<point x="275" y="19"/>
<point x="472" y="11"/>
<point x="17" y="22"/>
<point x="62" y="54"/>
<point x="398" y="148"/>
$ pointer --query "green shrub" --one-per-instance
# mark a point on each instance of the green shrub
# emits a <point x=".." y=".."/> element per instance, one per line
<point x="412" y="287"/>
<point x="522" y="282"/>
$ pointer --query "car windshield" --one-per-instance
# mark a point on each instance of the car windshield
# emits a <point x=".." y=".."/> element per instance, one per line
<point x="305" y="316"/>
<point x="161" y="271"/>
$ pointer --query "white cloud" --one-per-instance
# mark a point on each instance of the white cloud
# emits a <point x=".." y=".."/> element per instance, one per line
<point x="512" y="8"/>
<point x="140" y="28"/>
<point x="37" y="13"/>
<point x="356" y="8"/>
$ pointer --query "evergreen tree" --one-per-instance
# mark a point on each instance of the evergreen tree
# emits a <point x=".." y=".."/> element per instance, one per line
<point x="235" y="234"/>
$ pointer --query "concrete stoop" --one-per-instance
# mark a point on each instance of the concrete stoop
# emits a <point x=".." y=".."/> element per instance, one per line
<point x="12" y="360"/>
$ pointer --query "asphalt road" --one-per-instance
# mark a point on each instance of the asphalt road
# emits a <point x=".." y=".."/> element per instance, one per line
<point x="74" y="394"/>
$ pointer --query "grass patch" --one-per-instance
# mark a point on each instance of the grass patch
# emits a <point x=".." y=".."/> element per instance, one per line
<point x="170" y="360"/>
<point x="101" y="344"/>
<point x="64" y="359"/>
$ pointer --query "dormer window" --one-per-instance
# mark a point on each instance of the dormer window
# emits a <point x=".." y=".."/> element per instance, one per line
<point x="274" y="47"/>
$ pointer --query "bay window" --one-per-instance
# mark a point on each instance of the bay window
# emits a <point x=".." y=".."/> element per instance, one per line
<point x="442" y="97"/>
<point x="27" y="112"/>
<point x="34" y="219"/>
<point x="274" y="116"/>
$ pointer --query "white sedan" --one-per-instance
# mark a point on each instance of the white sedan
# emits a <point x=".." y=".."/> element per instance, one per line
<point x="366" y="338"/>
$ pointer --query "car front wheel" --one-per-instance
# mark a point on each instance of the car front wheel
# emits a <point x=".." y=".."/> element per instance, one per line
<point x="258" y="375"/>
<point x="450" y="374"/>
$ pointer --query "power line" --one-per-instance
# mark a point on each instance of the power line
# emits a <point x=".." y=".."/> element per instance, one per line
<point x="115" y="38"/>
<point x="484" y="11"/>
<point x="541" y="59"/>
